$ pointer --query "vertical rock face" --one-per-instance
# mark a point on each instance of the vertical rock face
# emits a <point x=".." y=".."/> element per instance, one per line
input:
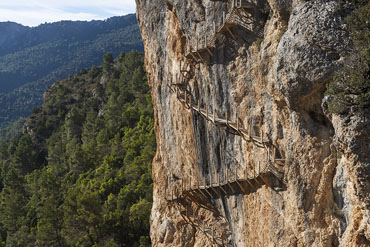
<point x="266" y="74"/>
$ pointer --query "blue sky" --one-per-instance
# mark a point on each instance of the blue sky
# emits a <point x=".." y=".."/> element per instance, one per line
<point x="35" y="12"/>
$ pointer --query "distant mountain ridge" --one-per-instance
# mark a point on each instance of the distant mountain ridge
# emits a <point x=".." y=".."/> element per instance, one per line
<point x="23" y="36"/>
<point x="31" y="58"/>
<point x="9" y="34"/>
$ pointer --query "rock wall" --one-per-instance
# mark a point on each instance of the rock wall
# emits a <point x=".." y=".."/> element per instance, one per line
<point x="268" y="73"/>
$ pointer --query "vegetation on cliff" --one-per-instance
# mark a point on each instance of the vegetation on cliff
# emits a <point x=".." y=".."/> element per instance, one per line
<point x="350" y="87"/>
<point x="81" y="175"/>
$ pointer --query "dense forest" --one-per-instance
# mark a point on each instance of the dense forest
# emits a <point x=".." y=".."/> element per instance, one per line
<point x="32" y="58"/>
<point x="80" y="174"/>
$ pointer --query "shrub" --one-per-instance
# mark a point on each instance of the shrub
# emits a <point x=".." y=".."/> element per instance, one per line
<point x="350" y="87"/>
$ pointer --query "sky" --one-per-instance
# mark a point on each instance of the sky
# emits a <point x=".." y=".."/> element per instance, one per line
<point x="35" y="12"/>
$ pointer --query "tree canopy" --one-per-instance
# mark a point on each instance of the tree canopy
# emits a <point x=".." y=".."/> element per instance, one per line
<point x="81" y="174"/>
<point x="350" y="87"/>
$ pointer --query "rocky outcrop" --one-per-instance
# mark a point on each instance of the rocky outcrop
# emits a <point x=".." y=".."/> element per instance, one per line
<point x="266" y="73"/>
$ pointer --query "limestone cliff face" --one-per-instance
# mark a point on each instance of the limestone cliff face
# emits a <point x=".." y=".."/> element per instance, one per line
<point x="264" y="68"/>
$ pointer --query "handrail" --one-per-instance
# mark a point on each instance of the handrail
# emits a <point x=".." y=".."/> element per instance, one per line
<point x="201" y="193"/>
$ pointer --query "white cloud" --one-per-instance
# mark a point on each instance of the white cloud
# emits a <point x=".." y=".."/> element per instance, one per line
<point x="34" y="12"/>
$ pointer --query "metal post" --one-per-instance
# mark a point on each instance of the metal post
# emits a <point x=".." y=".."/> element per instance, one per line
<point x="196" y="41"/>
<point x="165" y="192"/>
<point x="207" y="112"/>
<point x="227" y="180"/>
<point x="214" y="114"/>
<point x="219" y="184"/>
<point x="214" y="189"/>
<point x="194" y="28"/>
<point x="254" y="171"/>
<point x="236" y="179"/>
<point x="237" y="123"/>
<point x="171" y="192"/>
<point x="262" y="136"/>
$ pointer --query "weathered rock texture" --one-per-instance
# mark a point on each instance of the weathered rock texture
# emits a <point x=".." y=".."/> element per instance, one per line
<point x="273" y="76"/>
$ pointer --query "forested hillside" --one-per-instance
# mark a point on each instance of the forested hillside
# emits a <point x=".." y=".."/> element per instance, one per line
<point x="81" y="174"/>
<point x="32" y="58"/>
